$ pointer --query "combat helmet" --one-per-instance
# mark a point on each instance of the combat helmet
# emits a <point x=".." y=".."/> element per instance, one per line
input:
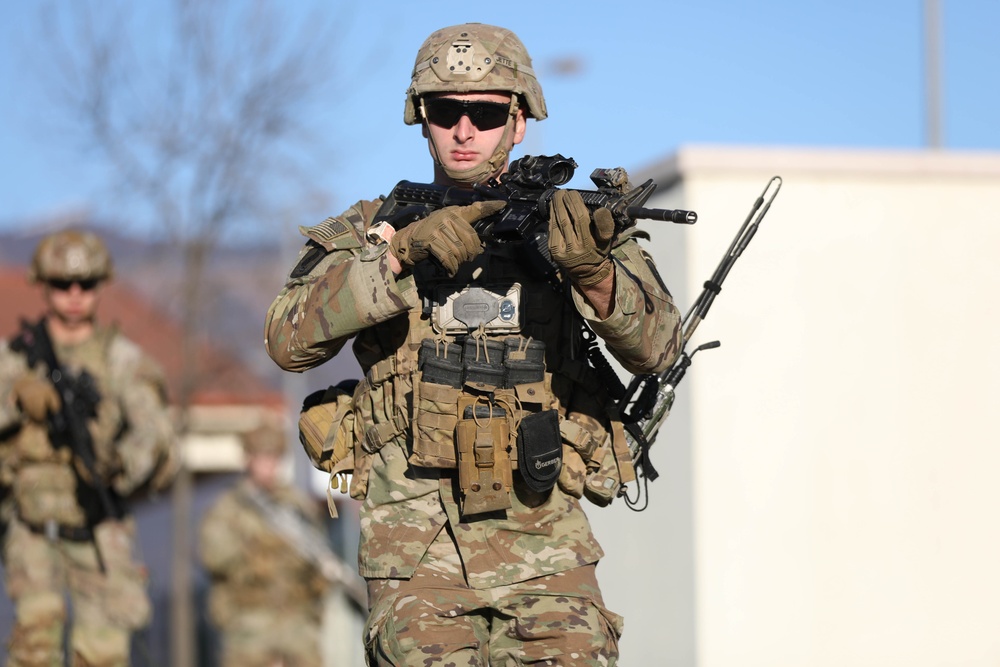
<point x="473" y="57"/>
<point x="71" y="255"/>
<point x="267" y="438"/>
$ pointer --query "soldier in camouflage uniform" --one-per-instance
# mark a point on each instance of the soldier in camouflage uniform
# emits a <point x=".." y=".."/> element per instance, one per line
<point x="67" y="526"/>
<point x="266" y="592"/>
<point x="479" y="424"/>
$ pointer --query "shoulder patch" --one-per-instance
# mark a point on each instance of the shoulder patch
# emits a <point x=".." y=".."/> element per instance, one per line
<point x="333" y="234"/>
<point x="328" y="230"/>
<point x="311" y="256"/>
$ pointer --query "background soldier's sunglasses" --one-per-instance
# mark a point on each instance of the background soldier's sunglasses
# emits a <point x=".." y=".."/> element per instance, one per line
<point x="446" y="112"/>
<point x="65" y="285"/>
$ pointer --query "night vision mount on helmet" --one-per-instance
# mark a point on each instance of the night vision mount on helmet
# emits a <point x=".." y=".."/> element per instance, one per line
<point x="472" y="58"/>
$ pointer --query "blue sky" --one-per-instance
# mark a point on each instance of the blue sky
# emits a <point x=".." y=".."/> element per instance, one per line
<point x="656" y="74"/>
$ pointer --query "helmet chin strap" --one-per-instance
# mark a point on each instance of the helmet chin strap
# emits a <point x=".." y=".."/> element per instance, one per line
<point x="495" y="163"/>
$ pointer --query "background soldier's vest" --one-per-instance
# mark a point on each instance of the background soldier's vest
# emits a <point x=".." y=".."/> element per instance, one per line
<point x="46" y="485"/>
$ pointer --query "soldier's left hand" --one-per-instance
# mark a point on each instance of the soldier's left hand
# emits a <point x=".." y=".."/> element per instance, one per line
<point x="579" y="243"/>
<point x="36" y="396"/>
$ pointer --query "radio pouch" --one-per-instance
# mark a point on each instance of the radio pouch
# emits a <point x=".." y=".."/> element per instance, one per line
<point x="539" y="450"/>
<point x="484" y="471"/>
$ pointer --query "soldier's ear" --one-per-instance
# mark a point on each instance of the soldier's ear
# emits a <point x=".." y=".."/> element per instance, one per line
<point x="520" y="126"/>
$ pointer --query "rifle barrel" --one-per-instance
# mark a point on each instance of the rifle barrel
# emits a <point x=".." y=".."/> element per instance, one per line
<point x="677" y="216"/>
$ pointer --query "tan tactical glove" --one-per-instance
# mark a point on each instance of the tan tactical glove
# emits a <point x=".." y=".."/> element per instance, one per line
<point x="447" y="234"/>
<point x="36" y="396"/>
<point x="578" y="244"/>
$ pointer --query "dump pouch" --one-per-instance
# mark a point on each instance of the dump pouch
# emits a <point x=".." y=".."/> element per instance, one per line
<point x="539" y="450"/>
<point x="326" y="426"/>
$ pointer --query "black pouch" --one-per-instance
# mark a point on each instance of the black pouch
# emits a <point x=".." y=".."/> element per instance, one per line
<point x="539" y="450"/>
<point x="524" y="361"/>
<point x="483" y="361"/>
<point x="440" y="363"/>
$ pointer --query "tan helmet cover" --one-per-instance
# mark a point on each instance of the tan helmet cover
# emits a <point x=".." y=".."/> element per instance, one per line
<point x="265" y="439"/>
<point x="473" y="57"/>
<point x="70" y="255"/>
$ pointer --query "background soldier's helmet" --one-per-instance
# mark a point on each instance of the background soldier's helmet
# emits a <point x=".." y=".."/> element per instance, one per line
<point x="265" y="439"/>
<point x="474" y="57"/>
<point x="70" y="255"/>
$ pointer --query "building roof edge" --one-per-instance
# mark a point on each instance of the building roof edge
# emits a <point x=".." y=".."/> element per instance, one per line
<point x="708" y="157"/>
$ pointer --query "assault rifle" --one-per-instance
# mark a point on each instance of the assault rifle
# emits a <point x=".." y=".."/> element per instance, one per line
<point x="648" y="398"/>
<point x="528" y="187"/>
<point x="68" y="426"/>
<point x="307" y="542"/>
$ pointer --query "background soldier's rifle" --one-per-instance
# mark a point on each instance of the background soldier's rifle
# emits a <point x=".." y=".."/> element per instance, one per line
<point x="68" y="426"/>
<point x="528" y="187"/>
<point x="306" y="541"/>
<point x="648" y="398"/>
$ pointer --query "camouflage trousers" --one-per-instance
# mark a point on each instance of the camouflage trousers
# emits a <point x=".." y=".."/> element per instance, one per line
<point x="271" y="638"/>
<point x="107" y="606"/>
<point x="435" y="618"/>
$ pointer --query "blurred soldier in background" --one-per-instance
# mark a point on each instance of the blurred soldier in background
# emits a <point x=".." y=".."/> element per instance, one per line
<point x="83" y="426"/>
<point x="269" y="564"/>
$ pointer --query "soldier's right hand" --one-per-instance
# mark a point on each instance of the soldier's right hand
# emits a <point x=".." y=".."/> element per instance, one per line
<point x="446" y="234"/>
<point x="36" y="397"/>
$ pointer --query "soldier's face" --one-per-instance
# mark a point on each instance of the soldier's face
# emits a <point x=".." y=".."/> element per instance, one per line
<point x="264" y="469"/>
<point x="72" y="301"/>
<point x="465" y="137"/>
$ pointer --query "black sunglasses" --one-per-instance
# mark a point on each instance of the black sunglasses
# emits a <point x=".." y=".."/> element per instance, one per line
<point x="65" y="285"/>
<point x="446" y="112"/>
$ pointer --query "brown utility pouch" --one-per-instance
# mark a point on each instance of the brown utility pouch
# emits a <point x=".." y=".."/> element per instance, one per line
<point x="46" y="492"/>
<point x="615" y="468"/>
<point x="573" y="472"/>
<point x="32" y="443"/>
<point x="362" y="458"/>
<point x="435" y="415"/>
<point x="578" y="449"/>
<point x="482" y="437"/>
<point x="623" y="456"/>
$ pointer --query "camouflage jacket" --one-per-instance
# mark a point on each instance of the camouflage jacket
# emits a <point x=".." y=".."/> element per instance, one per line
<point x="253" y="567"/>
<point x="133" y="434"/>
<point x="343" y="288"/>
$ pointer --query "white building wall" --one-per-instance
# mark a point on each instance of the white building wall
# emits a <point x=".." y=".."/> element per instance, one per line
<point x="829" y="490"/>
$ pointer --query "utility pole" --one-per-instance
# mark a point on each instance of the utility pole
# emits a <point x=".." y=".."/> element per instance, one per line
<point x="932" y="72"/>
